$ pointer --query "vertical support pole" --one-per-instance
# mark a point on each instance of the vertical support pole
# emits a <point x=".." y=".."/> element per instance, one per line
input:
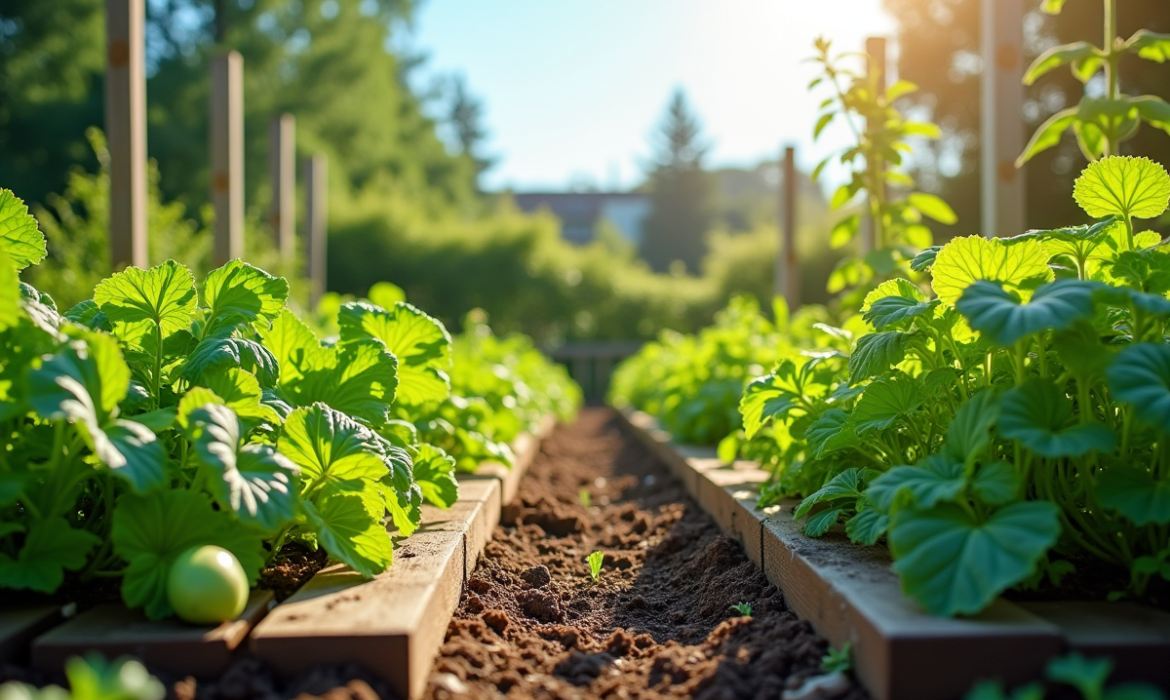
<point x="227" y="155"/>
<point x="282" y="171"/>
<point x="316" y="223"/>
<point x="787" y="283"/>
<point x="1002" y="141"/>
<point x="875" y="48"/>
<point x="126" y="131"/>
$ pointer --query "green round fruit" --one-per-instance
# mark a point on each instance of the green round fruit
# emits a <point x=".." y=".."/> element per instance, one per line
<point x="207" y="585"/>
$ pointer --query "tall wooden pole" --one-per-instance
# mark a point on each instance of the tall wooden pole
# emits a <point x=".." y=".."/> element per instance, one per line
<point x="875" y="48"/>
<point x="316" y="223"/>
<point x="227" y="155"/>
<point x="282" y="171"/>
<point x="126" y="131"/>
<point x="787" y="261"/>
<point x="1002" y="118"/>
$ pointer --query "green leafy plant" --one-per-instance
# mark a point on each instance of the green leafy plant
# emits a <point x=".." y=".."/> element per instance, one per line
<point x="93" y="678"/>
<point x="1087" y="676"/>
<point x="1101" y="123"/>
<point x="595" y="561"/>
<point x="743" y="609"/>
<point x="838" y="660"/>
<point x="892" y="205"/>
<point x="163" y="415"/>
<point x="584" y="497"/>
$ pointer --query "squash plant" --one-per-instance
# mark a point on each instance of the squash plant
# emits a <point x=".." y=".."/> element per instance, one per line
<point x="1101" y="124"/>
<point x="1018" y="415"/>
<point x="162" y="415"/>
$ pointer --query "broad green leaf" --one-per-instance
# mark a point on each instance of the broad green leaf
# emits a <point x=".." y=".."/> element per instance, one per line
<point x="1086" y="675"/>
<point x="1003" y="319"/>
<point x="330" y="447"/>
<point x="241" y="393"/>
<point x="1150" y="45"/>
<point x="20" y="238"/>
<point x="347" y="530"/>
<point x="831" y="431"/>
<point x="967" y="435"/>
<point x="964" y="261"/>
<point x="434" y="472"/>
<point x="820" y="522"/>
<point x="932" y="206"/>
<point x="1123" y="186"/>
<point x="1101" y="119"/>
<point x="405" y="508"/>
<point x="773" y="396"/>
<point x="996" y="483"/>
<point x="1081" y="351"/>
<point x="847" y="485"/>
<point x="1048" y="134"/>
<point x="133" y="452"/>
<point x="240" y="293"/>
<point x="421" y="344"/>
<point x="1140" y="377"/>
<point x="1056" y="57"/>
<point x="894" y="311"/>
<point x="1037" y="414"/>
<point x="1154" y="110"/>
<point x="953" y="564"/>
<point x="194" y="399"/>
<point x="253" y="480"/>
<point x="358" y="378"/>
<point x="292" y="343"/>
<point x="9" y="292"/>
<point x="50" y="548"/>
<point x="925" y="258"/>
<point x="163" y="295"/>
<point x="217" y="354"/>
<point x="876" y="353"/>
<point x="934" y="480"/>
<point x="867" y="526"/>
<point x="1135" y="493"/>
<point x="884" y="401"/>
<point x="149" y="532"/>
<point x="896" y="287"/>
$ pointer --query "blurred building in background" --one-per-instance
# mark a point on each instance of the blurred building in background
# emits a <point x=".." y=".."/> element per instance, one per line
<point x="581" y="212"/>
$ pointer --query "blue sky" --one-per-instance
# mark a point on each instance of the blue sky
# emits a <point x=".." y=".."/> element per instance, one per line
<point x="573" y="90"/>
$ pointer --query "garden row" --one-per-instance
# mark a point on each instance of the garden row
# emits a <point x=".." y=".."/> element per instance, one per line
<point x="983" y="420"/>
<point x="160" y="418"/>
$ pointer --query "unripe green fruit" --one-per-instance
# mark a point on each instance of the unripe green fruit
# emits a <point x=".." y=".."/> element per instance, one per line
<point x="207" y="585"/>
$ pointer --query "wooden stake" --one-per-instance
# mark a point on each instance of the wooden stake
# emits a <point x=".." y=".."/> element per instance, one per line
<point x="227" y="155"/>
<point x="787" y="260"/>
<point x="1002" y="116"/>
<point x="126" y="132"/>
<point x="316" y="223"/>
<point x="875" y="47"/>
<point x="282" y="214"/>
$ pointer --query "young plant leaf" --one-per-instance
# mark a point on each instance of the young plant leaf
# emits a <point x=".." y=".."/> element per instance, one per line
<point x="831" y="431"/>
<point x="1015" y="264"/>
<point x="330" y="447"/>
<point x="999" y="314"/>
<point x="253" y="481"/>
<point x="240" y="293"/>
<point x="954" y="564"/>
<point x="996" y="484"/>
<point x="163" y="295"/>
<point x="50" y="547"/>
<point x="20" y="238"/>
<point x="434" y="472"/>
<point x="421" y="344"/>
<point x="1123" y="186"/>
<point x="819" y="523"/>
<point x="868" y="526"/>
<point x="241" y="393"/>
<point x="934" y="480"/>
<point x="876" y="353"/>
<point x="884" y="401"/>
<point x="350" y="532"/>
<point x="772" y="397"/>
<point x="1135" y="493"/>
<point x="358" y="378"/>
<point x="216" y="353"/>
<point x="149" y="532"/>
<point x="1140" y="377"/>
<point x="1037" y="414"/>
<point x="967" y="435"/>
<point x="932" y="206"/>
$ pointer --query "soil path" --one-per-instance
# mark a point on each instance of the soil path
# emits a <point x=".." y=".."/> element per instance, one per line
<point x="658" y="623"/>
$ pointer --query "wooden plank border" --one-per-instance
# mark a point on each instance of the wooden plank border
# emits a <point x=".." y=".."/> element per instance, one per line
<point x="849" y="593"/>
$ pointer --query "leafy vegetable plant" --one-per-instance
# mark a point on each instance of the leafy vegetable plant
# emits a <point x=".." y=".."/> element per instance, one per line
<point x="838" y="660"/>
<point x="743" y="609"/>
<point x="1087" y="676"/>
<point x="595" y="560"/>
<point x="164" y="415"/>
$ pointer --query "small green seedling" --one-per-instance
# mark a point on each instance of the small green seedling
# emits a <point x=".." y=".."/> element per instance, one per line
<point x="744" y="609"/>
<point x="595" y="561"/>
<point x="585" y="498"/>
<point x="837" y="659"/>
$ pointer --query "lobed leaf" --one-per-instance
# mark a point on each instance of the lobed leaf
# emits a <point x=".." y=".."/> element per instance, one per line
<point x="163" y="295"/>
<point x="1123" y="186"/>
<point x="20" y="239"/>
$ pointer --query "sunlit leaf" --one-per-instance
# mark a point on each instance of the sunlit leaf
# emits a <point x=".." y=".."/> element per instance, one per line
<point x="964" y="261"/>
<point x="1123" y="186"/>
<point x="20" y="238"/>
<point x="1004" y="319"/>
<point x="163" y="295"/>
<point x="240" y="293"/>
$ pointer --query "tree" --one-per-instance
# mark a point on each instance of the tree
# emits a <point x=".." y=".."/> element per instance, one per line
<point x="680" y="191"/>
<point x="466" y="118"/>
<point x="939" y="51"/>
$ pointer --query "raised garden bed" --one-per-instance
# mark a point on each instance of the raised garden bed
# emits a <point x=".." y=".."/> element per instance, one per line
<point x="850" y="594"/>
<point x="393" y="624"/>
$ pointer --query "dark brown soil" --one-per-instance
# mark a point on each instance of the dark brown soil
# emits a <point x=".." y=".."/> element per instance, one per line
<point x="658" y="623"/>
<point x="293" y="568"/>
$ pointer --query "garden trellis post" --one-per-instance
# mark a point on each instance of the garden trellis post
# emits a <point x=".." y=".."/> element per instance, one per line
<point x="875" y="48"/>
<point x="227" y="155"/>
<point x="126" y="131"/>
<point x="282" y="214"/>
<point x="787" y="282"/>
<point x="1002" y="132"/>
<point x="316" y="223"/>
